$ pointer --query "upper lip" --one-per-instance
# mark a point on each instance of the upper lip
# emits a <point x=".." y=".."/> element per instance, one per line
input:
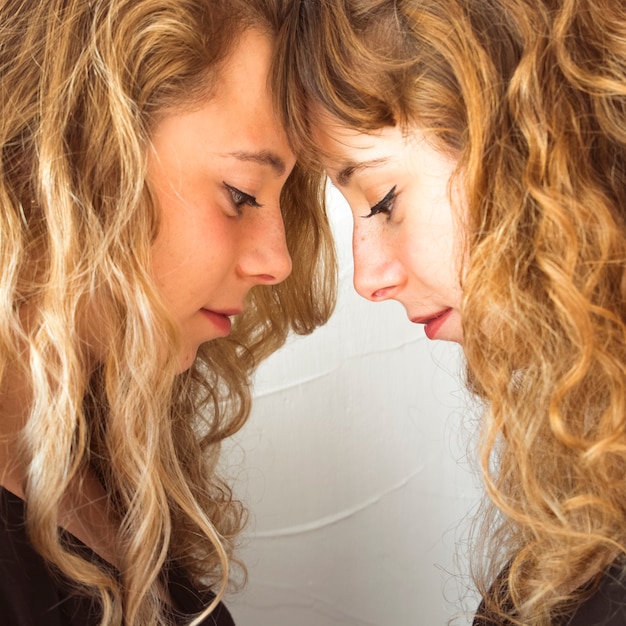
<point x="429" y="318"/>
<point x="226" y="312"/>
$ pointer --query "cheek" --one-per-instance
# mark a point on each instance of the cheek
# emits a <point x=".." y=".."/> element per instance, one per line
<point x="427" y="254"/>
<point x="169" y="257"/>
<point x="187" y="238"/>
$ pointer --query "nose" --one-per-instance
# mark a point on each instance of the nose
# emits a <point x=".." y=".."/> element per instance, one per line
<point x="378" y="273"/>
<point x="265" y="257"/>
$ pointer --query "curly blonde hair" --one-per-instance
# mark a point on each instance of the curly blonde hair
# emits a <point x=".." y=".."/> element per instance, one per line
<point x="82" y="84"/>
<point x="530" y="97"/>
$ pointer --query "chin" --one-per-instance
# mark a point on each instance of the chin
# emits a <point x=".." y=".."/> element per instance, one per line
<point x="451" y="339"/>
<point x="457" y="338"/>
<point x="186" y="359"/>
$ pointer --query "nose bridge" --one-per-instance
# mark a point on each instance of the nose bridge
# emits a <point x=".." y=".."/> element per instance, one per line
<point x="374" y="276"/>
<point x="265" y="256"/>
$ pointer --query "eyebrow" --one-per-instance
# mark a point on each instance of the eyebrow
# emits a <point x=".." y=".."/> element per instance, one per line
<point x="264" y="157"/>
<point x="348" y="169"/>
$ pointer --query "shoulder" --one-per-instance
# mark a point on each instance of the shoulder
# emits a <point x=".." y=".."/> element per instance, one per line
<point x="190" y="601"/>
<point x="607" y="605"/>
<point x="18" y="559"/>
<point x="26" y="589"/>
<point x="29" y="592"/>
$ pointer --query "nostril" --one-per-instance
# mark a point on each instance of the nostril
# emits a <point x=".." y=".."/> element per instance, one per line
<point x="382" y="294"/>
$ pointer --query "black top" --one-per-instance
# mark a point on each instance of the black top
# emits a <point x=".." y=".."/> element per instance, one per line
<point x="605" y="607"/>
<point x="31" y="595"/>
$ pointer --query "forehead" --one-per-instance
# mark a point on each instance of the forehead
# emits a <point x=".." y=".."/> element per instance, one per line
<point x="236" y="121"/>
<point x="333" y="138"/>
<point x="346" y="152"/>
<point x="242" y="84"/>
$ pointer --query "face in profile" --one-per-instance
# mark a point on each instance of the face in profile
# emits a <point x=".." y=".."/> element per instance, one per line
<point x="218" y="170"/>
<point x="405" y="241"/>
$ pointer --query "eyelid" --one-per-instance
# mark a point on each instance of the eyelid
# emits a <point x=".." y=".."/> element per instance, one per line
<point x="385" y="205"/>
<point x="240" y="198"/>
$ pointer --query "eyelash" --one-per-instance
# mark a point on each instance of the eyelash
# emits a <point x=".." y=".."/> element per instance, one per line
<point x="240" y="199"/>
<point x="385" y="205"/>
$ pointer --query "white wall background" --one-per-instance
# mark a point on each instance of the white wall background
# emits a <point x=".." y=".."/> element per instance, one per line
<point x="356" y="471"/>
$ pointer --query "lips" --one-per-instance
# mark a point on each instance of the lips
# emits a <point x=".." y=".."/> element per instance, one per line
<point x="221" y="319"/>
<point x="433" y="323"/>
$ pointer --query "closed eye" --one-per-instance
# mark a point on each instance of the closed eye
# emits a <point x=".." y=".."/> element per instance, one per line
<point x="384" y="206"/>
<point x="240" y="198"/>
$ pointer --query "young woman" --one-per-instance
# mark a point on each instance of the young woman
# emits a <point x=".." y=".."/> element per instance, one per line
<point x="481" y="145"/>
<point x="157" y="242"/>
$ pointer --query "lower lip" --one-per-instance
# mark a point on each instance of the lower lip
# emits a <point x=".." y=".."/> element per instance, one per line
<point x="432" y="328"/>
<point x="221" y="322"/>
